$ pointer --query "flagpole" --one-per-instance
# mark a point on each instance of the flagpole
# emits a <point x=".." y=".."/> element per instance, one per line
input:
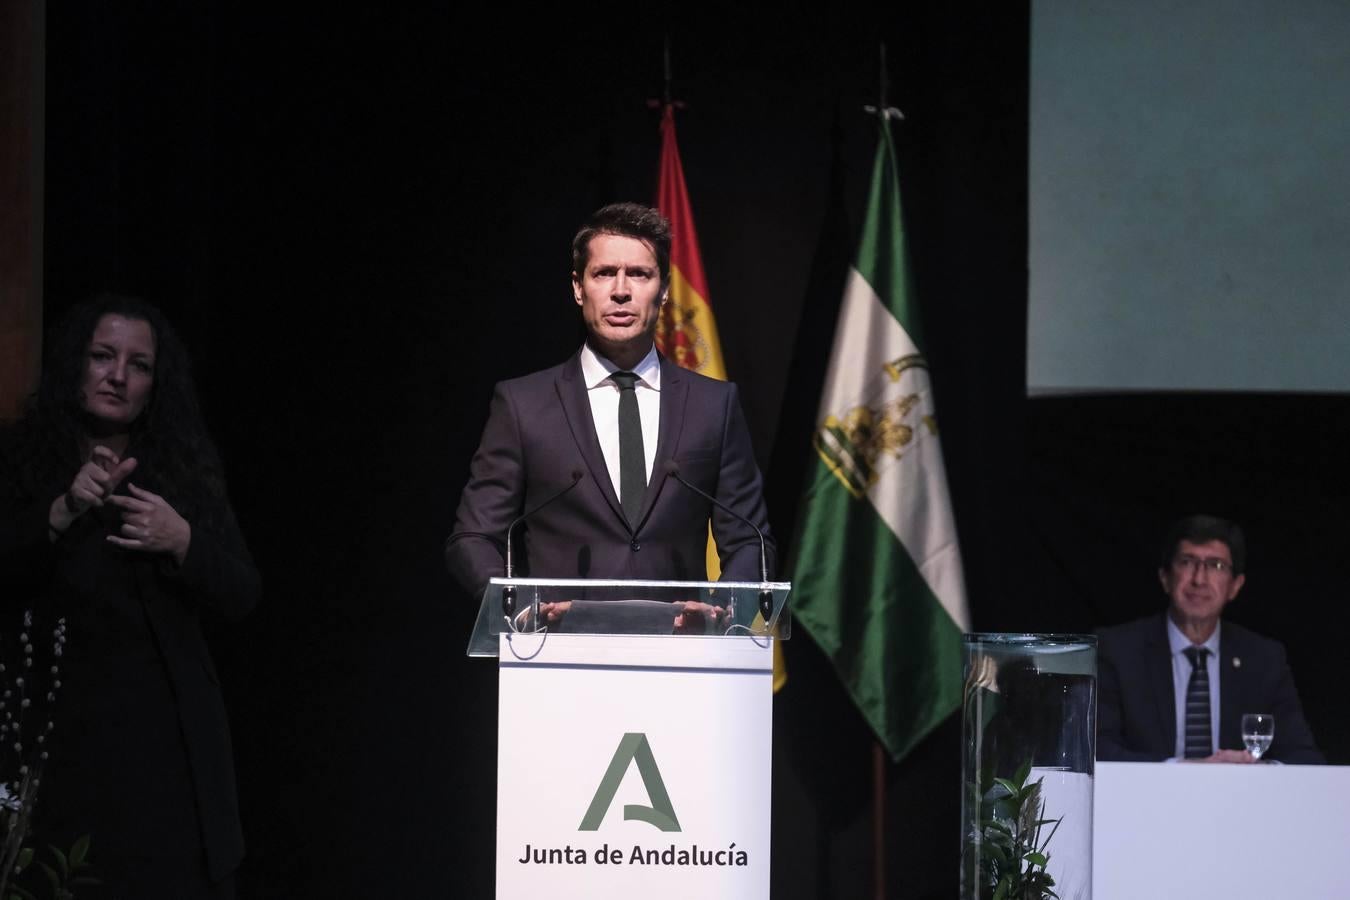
<point x="667" y="98"/>
<point x="665" y="59"/>
<point x="884" y="112"/>
<point x="878" y="820"/>
<point x="876" y="550"/>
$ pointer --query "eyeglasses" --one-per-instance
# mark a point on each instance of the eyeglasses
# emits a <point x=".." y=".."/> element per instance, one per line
<point x="1212" y="564"/>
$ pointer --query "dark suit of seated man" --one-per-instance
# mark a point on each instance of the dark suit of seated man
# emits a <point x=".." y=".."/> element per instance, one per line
<point x="601" y="433"/>
<point x="1176" y="685"/>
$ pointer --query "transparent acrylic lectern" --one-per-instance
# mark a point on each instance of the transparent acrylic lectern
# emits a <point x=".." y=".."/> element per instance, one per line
<point x="535" y="606"/>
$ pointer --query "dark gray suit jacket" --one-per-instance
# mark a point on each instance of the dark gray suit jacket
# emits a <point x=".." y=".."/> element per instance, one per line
<point x="1136" y="700"/>
<point x="540" y="433"/>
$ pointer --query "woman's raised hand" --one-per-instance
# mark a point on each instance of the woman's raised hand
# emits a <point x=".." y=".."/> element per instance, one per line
<point x="93" y="484"/>
<point x="151" y="525"/>
<point x="97" y="479"/>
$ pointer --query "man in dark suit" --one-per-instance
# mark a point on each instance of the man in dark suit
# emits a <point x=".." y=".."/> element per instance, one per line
<point x="1176" y="685"/>
<point x="606" y="433"/>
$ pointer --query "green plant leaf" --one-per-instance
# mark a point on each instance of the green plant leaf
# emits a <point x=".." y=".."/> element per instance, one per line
<point x="987" y="776"/>
<point x="998" y="803"/>
<point x="51" y="876"/>
<point x="62" y="861"/>
<point x="1022" y="772"/>
<point x="79" y="851"/>
<point x="25" y="858"/>
<point x="1036" y="859"/>
<point x="1052" y="832"/>
<point x="998" y="826"/>
<point x="999" y="841"/>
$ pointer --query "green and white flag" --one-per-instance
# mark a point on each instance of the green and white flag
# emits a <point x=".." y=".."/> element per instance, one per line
<point x="877" y="578"/>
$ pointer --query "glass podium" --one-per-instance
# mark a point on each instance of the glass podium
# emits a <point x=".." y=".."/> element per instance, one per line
<point x="534" y="606"/>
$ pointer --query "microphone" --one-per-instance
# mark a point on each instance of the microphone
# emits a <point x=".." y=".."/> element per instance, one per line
<point x="509" y="592"/>
<point x="672" y="469"/>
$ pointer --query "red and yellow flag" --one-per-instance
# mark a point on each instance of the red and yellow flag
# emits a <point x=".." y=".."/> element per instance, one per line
<point x="686" y="332"/>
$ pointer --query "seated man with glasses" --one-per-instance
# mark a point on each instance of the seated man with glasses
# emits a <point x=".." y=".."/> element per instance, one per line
<point x="1175" y="686"/>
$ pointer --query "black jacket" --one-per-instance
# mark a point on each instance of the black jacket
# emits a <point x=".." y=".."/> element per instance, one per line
<point x="540" y="433"/>
<point x="217" y="577"/>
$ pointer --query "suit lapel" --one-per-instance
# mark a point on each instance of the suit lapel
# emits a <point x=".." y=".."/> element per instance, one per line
<point x="577" y="408"/>
<point x="674" y="391"/>
<point x="1164" y="691"/>
<point x="1230" y="699"/>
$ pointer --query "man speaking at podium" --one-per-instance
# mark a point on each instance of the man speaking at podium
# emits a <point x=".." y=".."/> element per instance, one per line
<point x="601" y="455"/>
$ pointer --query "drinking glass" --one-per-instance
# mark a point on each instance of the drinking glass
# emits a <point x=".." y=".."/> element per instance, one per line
<point x="1258" y="730"/>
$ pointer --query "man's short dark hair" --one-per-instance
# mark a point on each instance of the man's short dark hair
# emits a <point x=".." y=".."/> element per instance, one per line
<point x="1201" y="529"/>
<point x="629" y="220"/>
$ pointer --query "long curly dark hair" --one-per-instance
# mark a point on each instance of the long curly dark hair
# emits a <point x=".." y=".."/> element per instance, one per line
<point x="176" y="457"/>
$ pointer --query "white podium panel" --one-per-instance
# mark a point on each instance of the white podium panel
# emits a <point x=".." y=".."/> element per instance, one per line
<point x="1220" y="831"/>
<point x="634" y="766"/>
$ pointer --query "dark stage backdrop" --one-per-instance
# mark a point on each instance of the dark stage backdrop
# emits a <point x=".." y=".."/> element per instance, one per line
<point x="360" y="221"/>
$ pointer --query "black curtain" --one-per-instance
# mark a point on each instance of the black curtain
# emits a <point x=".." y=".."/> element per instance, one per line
<point x="360" y="221"/>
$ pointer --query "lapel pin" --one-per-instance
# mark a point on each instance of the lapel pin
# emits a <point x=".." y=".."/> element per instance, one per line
<point x="1237" y="662"/>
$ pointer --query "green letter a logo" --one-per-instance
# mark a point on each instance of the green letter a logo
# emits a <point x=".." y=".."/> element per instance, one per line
<point x="633" y="747"/>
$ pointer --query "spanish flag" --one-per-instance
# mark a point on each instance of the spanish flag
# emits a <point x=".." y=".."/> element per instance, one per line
<point x="686" y="332"/>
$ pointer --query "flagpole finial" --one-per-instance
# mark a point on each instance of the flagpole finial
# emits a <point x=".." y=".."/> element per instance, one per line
<point x="888" y="112"/>
<point x="882" y="110"/>
<point x="666" y="94"/>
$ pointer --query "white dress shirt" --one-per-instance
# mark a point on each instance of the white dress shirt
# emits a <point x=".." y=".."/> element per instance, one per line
<point x="1181" y="678"/>
<point x="603" y="393"/>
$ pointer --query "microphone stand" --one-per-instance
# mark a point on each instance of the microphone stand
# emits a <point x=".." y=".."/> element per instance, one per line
<point x="509" y="591"/>
<point x="765" y="594"/>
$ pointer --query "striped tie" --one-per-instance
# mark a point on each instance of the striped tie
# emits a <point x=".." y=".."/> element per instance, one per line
<point x="1199" y="742"/>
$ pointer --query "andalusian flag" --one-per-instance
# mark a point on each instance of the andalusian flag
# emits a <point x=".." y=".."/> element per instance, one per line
<point x="686" y="332"/>
<point x="877" y="577"/>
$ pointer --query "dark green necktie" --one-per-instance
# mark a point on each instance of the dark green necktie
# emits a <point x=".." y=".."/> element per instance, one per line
<point x="632" y="459"/>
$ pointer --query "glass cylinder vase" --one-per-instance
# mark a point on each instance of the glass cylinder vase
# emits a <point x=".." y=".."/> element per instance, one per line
<point x="1028" y="739"/>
